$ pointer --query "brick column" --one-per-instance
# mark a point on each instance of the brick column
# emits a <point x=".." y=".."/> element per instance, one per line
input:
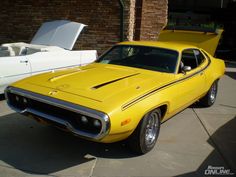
<point x="151" y="18"/>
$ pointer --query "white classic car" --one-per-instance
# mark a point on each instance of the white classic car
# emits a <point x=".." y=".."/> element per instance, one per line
<point x="50" y="49"/>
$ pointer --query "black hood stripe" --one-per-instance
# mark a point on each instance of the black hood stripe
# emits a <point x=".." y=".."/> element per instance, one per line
<point x="112" y="81"/>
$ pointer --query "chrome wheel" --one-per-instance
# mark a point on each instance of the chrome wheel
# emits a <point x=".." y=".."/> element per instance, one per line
<point x="213" y="92"/>
<point x="210" y="98"/>
<point x="145" y="135"/>
<point x="152" y="128"/>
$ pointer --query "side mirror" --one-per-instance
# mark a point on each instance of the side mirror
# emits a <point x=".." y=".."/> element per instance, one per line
<point x="186" y="69"/>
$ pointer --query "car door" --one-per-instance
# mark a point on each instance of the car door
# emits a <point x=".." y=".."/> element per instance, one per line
<point x="48" y="61"/>
<point x="13" y="68"/>
<point x="190" y="84"/>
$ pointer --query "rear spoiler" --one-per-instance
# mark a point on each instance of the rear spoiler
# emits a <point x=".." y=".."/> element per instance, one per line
<point x="196" y="29"/>
<point x="204" y="38"/>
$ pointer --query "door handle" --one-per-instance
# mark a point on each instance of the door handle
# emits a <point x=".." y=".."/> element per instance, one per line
<point x="24" y="61"/>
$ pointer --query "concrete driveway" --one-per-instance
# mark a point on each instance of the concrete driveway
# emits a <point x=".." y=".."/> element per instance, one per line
<point x="190" y="144"/>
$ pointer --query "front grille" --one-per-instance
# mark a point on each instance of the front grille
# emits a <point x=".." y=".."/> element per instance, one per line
<point x="83" y="124"/>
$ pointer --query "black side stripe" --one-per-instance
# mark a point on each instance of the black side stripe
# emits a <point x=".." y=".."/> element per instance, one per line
<point x="138" y="99"/>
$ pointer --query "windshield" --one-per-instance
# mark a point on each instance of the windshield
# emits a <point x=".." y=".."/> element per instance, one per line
<point x="150" y="58"/>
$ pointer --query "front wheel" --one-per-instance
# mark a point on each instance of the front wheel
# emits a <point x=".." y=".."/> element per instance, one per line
<point x="145" y="135"/>
<point x="210" y="98"/>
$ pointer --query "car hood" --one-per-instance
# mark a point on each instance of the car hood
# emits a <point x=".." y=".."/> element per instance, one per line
<point x="99" y="83"/>
<point x="207" y="40"/>
<point x="61" y="33"/>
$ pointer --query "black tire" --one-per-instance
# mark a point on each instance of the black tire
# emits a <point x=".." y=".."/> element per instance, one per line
<point x="210" y="98"/>
<point x="145" y="135"/>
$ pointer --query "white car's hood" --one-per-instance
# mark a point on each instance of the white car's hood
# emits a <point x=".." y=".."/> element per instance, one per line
<point x="61" y="33"/>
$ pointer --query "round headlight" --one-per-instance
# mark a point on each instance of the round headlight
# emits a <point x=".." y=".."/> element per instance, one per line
<point x="84" y="119"/>
<point x="97" y="123"/>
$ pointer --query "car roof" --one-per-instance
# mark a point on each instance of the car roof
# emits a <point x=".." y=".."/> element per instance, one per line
<point x="167" y="45"/>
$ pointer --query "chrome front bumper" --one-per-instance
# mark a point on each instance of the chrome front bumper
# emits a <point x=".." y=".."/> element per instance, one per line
<point x="25" y="106"/>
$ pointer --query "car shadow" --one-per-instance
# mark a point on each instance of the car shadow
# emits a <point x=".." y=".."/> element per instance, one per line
<point x="223" y="141"/>
<point x="197" y="105"/>
<point x="31" y="147"/>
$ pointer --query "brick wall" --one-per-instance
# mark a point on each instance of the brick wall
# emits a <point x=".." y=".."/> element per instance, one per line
<point x="20" y="19"/>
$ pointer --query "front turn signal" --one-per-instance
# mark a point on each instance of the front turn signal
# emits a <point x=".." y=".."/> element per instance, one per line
<point x="125" y="122"/>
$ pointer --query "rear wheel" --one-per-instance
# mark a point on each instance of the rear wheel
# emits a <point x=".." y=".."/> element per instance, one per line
<point x="145" y="135"/>
<point x="210" y="98"/>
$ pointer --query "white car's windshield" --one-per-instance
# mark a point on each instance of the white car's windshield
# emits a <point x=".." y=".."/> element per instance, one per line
<point x="150" y="58"/>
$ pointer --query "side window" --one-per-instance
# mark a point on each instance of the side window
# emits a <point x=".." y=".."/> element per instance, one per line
<point x="199" y="56"/>
<point x="189" y="59"/>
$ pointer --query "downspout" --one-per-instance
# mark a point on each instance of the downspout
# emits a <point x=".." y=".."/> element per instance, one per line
<point x="122" y="6"/>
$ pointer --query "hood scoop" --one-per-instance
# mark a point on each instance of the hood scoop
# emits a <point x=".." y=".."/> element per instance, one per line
<point x="112" y="81"/>
<point x="55" y="78"/>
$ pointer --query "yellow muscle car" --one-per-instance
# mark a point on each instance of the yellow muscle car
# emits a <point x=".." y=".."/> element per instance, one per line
<point x="128" y="91"/>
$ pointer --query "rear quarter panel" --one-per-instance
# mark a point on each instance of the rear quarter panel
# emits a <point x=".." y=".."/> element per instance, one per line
<point x="214" y="72"/>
